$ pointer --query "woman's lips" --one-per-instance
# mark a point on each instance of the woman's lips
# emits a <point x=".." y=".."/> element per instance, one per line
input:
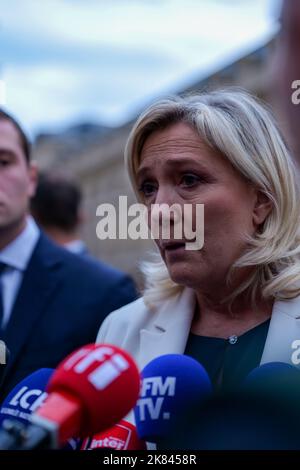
<point x="172" y="247"/>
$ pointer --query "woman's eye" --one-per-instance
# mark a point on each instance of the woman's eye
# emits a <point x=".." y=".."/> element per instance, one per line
<point x="189" y="180"/>
<point x="147" y="188"/>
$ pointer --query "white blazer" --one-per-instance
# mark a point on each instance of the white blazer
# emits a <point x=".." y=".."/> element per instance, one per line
<point x="148" y="334"/>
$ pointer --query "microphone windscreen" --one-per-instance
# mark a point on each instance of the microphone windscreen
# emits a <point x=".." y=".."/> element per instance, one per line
<point x="260" y="414"/>
<point x="172" y="385"/>
<point x="275" y="381"/>
<point x="105" y="380"/>
<point x="26" y="397"/>
<point x="122" y="436"/>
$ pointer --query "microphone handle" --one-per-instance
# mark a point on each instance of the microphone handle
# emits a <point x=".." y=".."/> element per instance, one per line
<point x="8" y="441"/>
<point x="11" y="435"/>
<point x="16" y="436"/>
<point x="37" y="438"/>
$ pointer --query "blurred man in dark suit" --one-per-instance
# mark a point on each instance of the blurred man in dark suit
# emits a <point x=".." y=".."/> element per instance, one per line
<point x="51" y="301"/>
<point x="56" y="207"/>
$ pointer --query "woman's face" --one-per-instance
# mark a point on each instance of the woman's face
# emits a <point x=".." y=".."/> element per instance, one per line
<point x="176" y="167"/>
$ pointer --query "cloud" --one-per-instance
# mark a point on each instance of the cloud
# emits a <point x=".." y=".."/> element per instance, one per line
<point x="74" y="57"/>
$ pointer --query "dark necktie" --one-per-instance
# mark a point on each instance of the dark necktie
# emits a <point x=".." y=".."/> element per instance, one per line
<point x="2" y="267"/>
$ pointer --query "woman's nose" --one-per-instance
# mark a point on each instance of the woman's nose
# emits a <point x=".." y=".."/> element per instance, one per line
<point x="165" y="195"/>
<point x="166" y="209"/>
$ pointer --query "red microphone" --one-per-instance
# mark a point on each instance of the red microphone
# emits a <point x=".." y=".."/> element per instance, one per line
<point x="90" y="391"/>
<point x="122" y="436"/>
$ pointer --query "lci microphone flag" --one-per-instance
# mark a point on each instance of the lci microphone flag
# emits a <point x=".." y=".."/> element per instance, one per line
<point x="26" y="397"/>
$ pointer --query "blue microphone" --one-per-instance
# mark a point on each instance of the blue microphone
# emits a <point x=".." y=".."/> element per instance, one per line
<point x="26" y="397"/>
<point x="20" y="403"/>
<point x="172" y="385"/>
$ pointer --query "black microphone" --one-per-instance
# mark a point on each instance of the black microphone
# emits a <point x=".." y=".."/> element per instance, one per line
<point x="262" y="413"/>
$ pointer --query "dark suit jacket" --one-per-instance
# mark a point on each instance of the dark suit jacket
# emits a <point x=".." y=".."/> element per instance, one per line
<point x="60" y="305"/>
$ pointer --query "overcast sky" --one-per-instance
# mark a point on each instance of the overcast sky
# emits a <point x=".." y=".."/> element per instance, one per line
<point x="63" y="61"/>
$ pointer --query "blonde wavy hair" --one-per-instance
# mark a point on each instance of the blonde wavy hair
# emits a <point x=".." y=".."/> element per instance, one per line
<point x="234" y="123"/>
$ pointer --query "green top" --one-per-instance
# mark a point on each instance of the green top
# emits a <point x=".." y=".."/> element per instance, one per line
<point x="229" y="361"/>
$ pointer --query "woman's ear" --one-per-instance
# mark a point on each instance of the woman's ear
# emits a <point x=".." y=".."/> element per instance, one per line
<point x="262" y="208"/>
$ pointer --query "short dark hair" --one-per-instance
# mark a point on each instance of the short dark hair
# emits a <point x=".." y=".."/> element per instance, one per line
<point x="4" y="116"/>
<point x="56" y="201"/>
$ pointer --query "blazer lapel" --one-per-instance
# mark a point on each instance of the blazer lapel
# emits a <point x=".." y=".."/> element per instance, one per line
<point x="283" y="331"/>
<point x="169" y="333"/>
<point x="39" y="283"/>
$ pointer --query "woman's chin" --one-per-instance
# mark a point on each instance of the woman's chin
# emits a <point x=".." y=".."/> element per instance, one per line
<point x="184" y="277"/>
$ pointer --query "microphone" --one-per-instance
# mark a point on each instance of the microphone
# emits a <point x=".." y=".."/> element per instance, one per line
<point x="26" y="397"/>
<point x="278" y="383"/>
<point x="122" y="436"/>
<point x="273" y="378"/>
<point x="262" y="413"/>
<point x="84" y="396"/>
<point x="4" y="358"/>
<point x="172" y="386"/>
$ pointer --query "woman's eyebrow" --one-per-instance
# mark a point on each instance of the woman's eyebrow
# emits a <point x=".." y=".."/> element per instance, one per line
<point x="6" y="152"/>
<point x="185" y="162"/>
<point x="144" y="169"/>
